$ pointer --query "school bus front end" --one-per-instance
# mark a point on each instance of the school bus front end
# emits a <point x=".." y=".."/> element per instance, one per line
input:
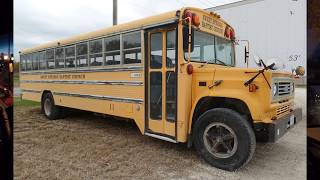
<point x="268" y="108"/>
<point x="231" y="107"/>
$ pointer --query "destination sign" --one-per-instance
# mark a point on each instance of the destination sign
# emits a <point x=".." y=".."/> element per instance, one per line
<point x="212" y="24"/>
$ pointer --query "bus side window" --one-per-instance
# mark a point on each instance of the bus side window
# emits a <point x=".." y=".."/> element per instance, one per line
<point x="42" y="59"/>
<point x="156" y="51"/>
<point x="29" y="62"/>
<point x="82" y="54"/>
<point x="95" y="48"/>
<point x="59" y="52"/>
<point x="132" y="48"/>
<point x="171" y="49"/>
<point x="112" y="50"/>
<point x="50" y="58"/>
<point x="22" y="63"/>
<point x="35" y="61"/>
<point x="70" y="57"/>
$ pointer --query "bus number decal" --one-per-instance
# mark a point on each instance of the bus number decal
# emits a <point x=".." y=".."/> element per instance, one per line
<point x="136" y="75"/>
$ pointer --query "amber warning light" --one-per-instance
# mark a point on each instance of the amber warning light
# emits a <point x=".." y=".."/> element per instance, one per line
<point x="195" y="19"/>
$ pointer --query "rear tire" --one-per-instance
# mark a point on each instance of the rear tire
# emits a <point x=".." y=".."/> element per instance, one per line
<point x="48" y="107"/>
<point x="224" y="139"/>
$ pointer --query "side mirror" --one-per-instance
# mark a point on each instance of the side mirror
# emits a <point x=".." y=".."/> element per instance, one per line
<point x="186" y="39"/>
<point x="246" y="54"/>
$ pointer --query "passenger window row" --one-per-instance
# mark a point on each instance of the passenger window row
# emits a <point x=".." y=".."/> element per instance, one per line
<point x="99" y="52"/>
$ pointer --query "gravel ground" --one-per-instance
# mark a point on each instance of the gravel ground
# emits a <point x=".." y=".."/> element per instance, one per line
<point x="84" y="146"/>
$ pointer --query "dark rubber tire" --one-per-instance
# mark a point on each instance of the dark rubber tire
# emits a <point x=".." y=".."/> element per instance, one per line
<point x="245" y="136"/>
<point x="54" y="110"/>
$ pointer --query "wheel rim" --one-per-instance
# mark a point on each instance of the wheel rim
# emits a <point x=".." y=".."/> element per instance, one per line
<point x="47" y="107"/>
<point x="220" y="140"/>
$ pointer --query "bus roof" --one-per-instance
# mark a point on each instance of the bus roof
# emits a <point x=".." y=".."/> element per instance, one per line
<point x="137" y="24"/>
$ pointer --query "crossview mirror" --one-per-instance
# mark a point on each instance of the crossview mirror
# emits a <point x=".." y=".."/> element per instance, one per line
<point x="186" y="38"/>
<point x="300" y="71"/>
<point x="257" y="60"/>
<point x="277" y="64"/>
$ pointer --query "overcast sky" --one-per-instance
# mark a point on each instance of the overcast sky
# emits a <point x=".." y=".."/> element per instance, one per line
<point x="40" y="21"/>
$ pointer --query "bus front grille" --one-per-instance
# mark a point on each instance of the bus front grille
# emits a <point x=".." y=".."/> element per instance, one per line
<point x="283" y="110"/>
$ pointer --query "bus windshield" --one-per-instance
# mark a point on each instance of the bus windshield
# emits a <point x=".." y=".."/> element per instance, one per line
<point x="211" y="49"/>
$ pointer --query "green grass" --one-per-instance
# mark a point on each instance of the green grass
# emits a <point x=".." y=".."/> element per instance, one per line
<point x="20" y="102"/>
<point x="16" y="79"/>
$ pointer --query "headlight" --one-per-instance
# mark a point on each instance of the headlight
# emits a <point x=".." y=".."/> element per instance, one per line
<point x="274" y="89"/>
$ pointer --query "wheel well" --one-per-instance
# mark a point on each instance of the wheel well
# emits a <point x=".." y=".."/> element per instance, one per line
<point x="44" y="93"/>
<point x="42" y="96"/>
<point x="207" y="103"/>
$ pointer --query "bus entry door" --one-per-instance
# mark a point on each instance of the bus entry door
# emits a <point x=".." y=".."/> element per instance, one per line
<point x="161" y="90"/>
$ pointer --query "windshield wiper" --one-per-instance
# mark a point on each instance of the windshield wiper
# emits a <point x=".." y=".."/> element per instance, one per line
<point x="221" y="62"/>
<point x="215" y="60"/>
<point x="212" y="61"/>
<point x="265" y="68"/>
<point x="203" y="63"/>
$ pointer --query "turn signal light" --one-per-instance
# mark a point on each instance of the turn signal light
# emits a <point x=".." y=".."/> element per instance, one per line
<point x="253" y="88"/>
<point x="189" y="69"/>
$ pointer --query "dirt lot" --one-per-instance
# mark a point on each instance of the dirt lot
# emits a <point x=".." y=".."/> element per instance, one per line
<point x="84" y="146"/>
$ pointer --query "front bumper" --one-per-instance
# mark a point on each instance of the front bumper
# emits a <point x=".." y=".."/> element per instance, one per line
<point x="271" y="132"/>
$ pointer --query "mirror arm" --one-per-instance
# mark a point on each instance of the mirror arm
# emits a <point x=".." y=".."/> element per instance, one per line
<point x="247" y="57"/>
<point x="264" y="65"/>
<point x="188" y="19"/>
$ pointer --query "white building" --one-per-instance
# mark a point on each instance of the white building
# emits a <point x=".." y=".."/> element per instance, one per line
<point x="274" y="28"/>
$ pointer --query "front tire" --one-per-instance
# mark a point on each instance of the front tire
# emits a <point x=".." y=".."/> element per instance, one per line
<point x="224" y="139"/>
<point x="48" y="107"/>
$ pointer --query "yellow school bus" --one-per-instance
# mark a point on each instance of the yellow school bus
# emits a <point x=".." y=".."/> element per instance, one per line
<point x="174" y="74"/>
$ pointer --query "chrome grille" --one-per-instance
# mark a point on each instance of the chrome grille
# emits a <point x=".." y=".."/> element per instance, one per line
<point x="284" y="88"/>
